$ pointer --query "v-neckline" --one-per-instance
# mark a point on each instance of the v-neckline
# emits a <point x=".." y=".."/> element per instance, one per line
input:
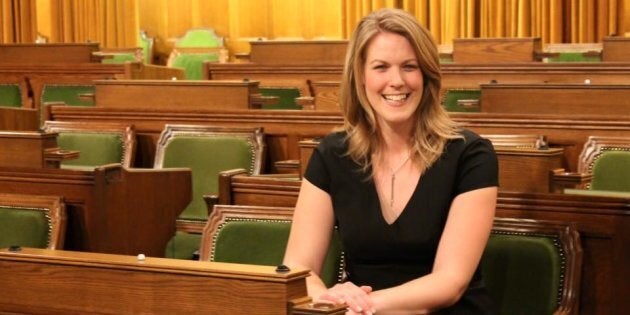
<point x="404" y="209"/>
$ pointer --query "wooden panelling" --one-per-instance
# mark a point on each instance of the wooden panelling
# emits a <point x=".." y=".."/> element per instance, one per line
<point x="495" y="50"/>
<point x="19" y="119"/>
<point x="304" y="52"/>
<point x="48" y="53"/>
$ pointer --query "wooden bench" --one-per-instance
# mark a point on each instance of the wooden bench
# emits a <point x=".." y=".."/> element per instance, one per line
<point x="111" y="209"/>
<point x="601" y="221"/>
<point x="46" y="281"/>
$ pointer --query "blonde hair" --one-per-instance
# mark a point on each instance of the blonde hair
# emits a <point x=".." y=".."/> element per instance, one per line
<point x="433" y="126"/>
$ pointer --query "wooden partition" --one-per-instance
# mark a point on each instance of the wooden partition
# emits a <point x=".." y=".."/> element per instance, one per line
<point x="48" y="53"/>
<point x="178" y="95"/>
<point x="38" y="281"/>
<point x="111" y="209"/>
<point x="560" y="99"/>
<point x="31" y="149"/>
<point x="616" y="48"/>
<point x="495" y="50"/>
<point x="601" y="221"/>
<point x="19" y="119"/>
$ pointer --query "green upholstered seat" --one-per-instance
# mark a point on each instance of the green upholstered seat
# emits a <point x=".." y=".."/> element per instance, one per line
<point x="67" y="93"/>
<point x="31" y="221"/>
<point x="207" y="151"/>
<point x="449" y="101"/>
<point x="98" y="143"/>
<point x="258" y="236"/>
<point x="532" y="267"/>
<point x="611" y="171"/>
<point x="10" y="95"/>
<point x="200" y="37"/>
<point x="286" y="97"/>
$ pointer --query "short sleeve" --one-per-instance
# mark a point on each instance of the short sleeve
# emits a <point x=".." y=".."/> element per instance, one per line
<point x="316" y="171"/>
<point x="478" y="166"/>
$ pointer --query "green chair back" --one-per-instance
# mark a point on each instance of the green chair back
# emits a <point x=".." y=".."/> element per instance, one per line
<point x="449" y="101"/>
<point x="286" y="97"/>
<point x="96" y="148"/>
<point x="32" y="221"/>
<point x="192" y="63"/>
<point x="611" y="171"/>
<point x="207" y="156"/>
<point x="146" y="43"/>
<point x="10" y="95"/>
<point x="201" y="37"/>
<point x="529" y="272"/>
<point x="258" y="235"/>
<point x="68" y="94"/>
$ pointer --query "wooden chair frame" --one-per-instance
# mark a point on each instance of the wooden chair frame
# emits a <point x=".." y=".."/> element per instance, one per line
<point x="568" y="243"/>
<point x="55" y="208"/>
<point x="517" y="141"/>
<point x="127" y="134"/>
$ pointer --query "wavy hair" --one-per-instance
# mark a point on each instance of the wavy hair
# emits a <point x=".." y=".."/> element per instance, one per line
<point x="433" y="126"/>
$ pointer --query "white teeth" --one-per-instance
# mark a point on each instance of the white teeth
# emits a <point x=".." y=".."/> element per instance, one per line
<point x="398" y="97"/>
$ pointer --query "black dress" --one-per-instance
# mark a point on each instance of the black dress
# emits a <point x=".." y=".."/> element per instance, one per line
<point x="384" y="255"/>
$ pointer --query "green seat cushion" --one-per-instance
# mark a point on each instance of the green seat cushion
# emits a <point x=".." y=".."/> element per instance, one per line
<point x="183" y="246"/>
<point x="95" y="149"/>
<point x="10" y="95"/>
<point x="263" y="242"/>
<point x="24" y="227"/>
<point x="119" y="58"/>
<point x="573" y="57"/>
<point x="193" y="63"/>
<point x="68" y="94"/>
<point x="206" y="157"/>
<point x="599" y="193"/>
<point x="611" y="171"/>
<point x="200" y="38"/>
<point x="286" y="97"/>
<point x="523" y="273"/>
<point x="452" y="96"/>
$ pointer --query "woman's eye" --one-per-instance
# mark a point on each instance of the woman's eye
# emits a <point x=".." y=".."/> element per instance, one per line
<point x="410" y="67"/>
<point x="379" y="67"/>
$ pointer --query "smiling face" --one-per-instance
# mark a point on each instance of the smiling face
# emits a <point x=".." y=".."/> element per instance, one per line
<point x="393" y="80"/>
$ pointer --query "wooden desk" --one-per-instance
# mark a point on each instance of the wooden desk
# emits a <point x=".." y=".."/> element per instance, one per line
<point x="559" y="99"/>
<point x="298" y="52"/>
<point x="111" y="209"/>
<point x="178" y="95"/>
<point x="37" y="281"/>
<point x="527" y="170"/>
<point x="48" y="53"/>
<point x="495" y="50"/>
<point x="615" y="48"/>
<point x="601" y="221"/>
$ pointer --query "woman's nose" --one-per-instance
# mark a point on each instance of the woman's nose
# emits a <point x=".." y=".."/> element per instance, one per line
<point x="396" y="79"/>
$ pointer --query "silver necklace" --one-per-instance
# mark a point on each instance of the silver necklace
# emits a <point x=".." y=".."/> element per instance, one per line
<point x="393" y="180"/>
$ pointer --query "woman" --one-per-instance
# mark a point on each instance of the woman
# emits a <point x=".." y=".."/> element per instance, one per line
<point x="412" y="195"/>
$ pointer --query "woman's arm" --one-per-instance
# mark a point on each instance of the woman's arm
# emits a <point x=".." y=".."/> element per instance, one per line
<point x="311" y="230"/>
<point x="461" y="246"/>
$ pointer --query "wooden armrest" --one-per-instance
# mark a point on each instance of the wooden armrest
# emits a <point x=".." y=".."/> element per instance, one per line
<point x="544" y="54"/>
<point x="258" y="100"/>
<point x="211" y="200"/>
<point x="306" y="102"/>
<point x="469" y="104"/>
<point x="305" y="306"/>
<point x="86" y="96"/>
<point x="54" y="156"/>
<point x="560" y="179"/>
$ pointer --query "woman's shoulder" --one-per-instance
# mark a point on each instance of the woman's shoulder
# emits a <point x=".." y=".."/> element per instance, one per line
<point x="334" y="141"/>
<point x="468" y="139"/>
